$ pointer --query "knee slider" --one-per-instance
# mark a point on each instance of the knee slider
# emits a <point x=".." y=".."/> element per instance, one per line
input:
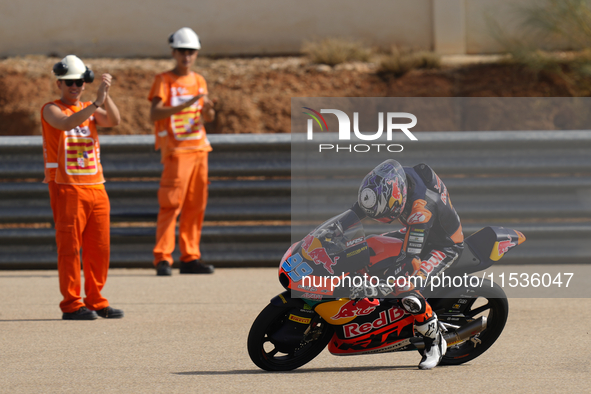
<point x="413" y="305"/>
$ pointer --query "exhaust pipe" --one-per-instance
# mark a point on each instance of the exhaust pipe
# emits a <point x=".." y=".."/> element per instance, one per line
<point x="465" y="332"/>
<point x="457" y="336"/>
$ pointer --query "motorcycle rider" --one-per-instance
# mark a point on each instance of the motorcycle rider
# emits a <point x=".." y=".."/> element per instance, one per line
<point x="432" y="238"/>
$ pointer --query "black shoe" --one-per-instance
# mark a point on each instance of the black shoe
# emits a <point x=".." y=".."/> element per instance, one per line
<point x="110" y="313"/>
<point x="163" y="269"/>
<point x="81" y="314"/>
<point x="196" y="267"/>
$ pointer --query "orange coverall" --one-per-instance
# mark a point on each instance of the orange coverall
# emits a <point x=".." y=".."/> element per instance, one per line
<point x="80" y="208"/>
<point x="184" y="147"/>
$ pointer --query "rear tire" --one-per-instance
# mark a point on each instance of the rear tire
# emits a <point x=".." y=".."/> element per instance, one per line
<point x="274" y="355"/>
<point x="496" y="309"/>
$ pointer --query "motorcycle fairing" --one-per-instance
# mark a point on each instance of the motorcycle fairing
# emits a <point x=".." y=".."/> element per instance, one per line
<point x="506" y="240"/>
<point x="384" y="251"/>
<point x="335" y="248"/>
<point x="485" y="247"/>
<point x="388" y="328"/>
<point x="285" y="299"/>
<point x="344" y="310"/>
<point x="346" y="349"/>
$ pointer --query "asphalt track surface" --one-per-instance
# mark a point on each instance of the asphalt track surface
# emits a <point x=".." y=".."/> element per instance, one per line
<point x="187" y="333"/>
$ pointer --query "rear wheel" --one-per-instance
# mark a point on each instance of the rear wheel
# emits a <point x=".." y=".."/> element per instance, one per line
<point x="489" y="301"/>
<point x="276" y="343"/>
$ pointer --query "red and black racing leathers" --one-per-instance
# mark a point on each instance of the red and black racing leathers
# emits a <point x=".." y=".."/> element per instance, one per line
<point x="432" y="235"/>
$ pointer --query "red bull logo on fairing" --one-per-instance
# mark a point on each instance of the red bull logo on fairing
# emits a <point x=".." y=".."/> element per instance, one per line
<point x="312" y="249"/>
<point x="504" y="246"/>
<point x="351" y="308"/>
<point x="386" y="317"/>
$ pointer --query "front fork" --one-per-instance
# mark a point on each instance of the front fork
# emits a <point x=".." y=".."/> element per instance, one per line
<point x="312" y="333"/>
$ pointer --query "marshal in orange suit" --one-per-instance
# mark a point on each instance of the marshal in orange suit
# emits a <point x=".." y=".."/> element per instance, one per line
<point x="180" y="106"/>
<point x="79" y="201"/>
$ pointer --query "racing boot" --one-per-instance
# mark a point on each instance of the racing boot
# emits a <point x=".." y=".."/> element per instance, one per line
<point x="435" y="344"/>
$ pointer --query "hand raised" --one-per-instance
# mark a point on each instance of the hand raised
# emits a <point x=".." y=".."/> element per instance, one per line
<point x="103" y="90"/>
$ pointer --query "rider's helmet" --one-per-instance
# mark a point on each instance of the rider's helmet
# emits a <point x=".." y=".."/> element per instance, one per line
<point x="382" y="194"/>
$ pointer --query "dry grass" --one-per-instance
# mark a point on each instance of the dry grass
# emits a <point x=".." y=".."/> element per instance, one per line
<point x="565" y="20"/>
<point x="333" y="51"/>
<point x="550" y="24"/>
<point x="547" y="25"/>
<point x="400" y="61"/>
<point x="538" y="60"/>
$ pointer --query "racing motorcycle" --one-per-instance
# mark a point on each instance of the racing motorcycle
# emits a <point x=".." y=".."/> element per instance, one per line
<point x="314" y="311"/>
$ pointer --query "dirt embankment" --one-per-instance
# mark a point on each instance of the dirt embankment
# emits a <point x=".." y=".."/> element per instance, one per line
<point x="253" y="95"/>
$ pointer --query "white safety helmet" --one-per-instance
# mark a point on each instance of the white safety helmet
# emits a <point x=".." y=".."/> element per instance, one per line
<point x="184" y="38"/>
<point x="71" y="67"/>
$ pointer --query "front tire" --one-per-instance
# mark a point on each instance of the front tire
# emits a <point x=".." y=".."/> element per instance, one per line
<point x="273" y="354"/>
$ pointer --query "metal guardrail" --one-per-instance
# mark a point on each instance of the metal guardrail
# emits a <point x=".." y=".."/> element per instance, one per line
<point x="250" y="182"/>
<point x="536" y="182"/>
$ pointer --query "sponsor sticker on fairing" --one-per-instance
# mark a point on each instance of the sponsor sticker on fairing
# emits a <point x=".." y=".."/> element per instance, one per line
<point x="504" y="246"/>
<point x="313" y="250"/>
<point x="316" y="297"/>
<point x="385" y="317"/>
<point x="299" y="319"/>
<point x="354" y="241"/>
<point x="352" y="308"/>
<point x="356" y="252"/>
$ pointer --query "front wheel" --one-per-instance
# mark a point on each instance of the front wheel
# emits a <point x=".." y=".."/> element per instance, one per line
<point x="490" y="301"/>
<point x="276" y="343"/>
